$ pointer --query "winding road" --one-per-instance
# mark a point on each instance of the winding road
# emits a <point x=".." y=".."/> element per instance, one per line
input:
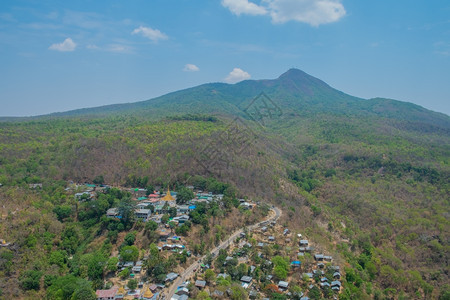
<point x="189" y="270"/>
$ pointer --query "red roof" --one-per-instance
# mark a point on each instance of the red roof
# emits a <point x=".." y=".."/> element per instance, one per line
<point x="107" y="293"/>
<point x="153" y="196"/>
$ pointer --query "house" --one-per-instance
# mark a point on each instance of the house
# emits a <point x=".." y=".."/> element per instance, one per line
<point x="163" y="235"/>
<point x="142" y="214"/>
<point x="171" y="277"/>
<point x="113" y="213"/>
<point x="337" y="275"/>
<point x="179" y="297"/>
<point x="139" y="263"/>
<point x="222" y="275"/>
<point x="300" y="254"/>
<point x="136" y="269"/>
<point x="182" y="209"/>
<point x="304" y="298"/>
<point x="143" y="204"/>
<point x="324" y="284"/>
<point x="286" y="231"/>
<point x="336" y="285"/>
<point x="35" y="185"/>
<point x="295" y="263"/>
<point x="321" y="265"/>
<point x="309" y="249"/>
<point x="264" y="228"/>
<point x="309" y="275"/>
<point x="227" y="259"/>
<point x="246" y="205"/>
<point x="327" y="258"/>
<point x="252" y="269"/>
<point x="218" y="294"/>
<point x="181" y="219"/>
<point x="320" y="272"/>
<point x="253" y="294"/>
<point x="182" y="291"/>
<point x="271" y="238"/>
<point x="107" y="294"/>
<point x="246" y="279"/>
<point x="200" y="284"/>
<point x="303" y="242"/>
<point x="318" y="257"/>
<point x="283" y="285"/>
<point x="336" y="268"/>
<point x="260" y="245"/>
<point x="323" y="279"/>
<point x="269" y="277"/>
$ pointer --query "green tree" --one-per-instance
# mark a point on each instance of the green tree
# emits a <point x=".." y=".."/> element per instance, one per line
<point x="209" y="275"/>
<point x="151" y="225"/>
<point x="184" y="195"/>
<point x="129" y="253"/>
<point x="58" y="258"/>
<point x="126" y="209"/>
<point x="98" y="179"/>
<point x="112" y="264"/>
<point x="132" y="284"/>
<point x="30" y="280"/>
<point x="165" y="219"/>
<point x="130" y="238"/>
<point x="83" y="291"/>
<point x="173" y="212"/>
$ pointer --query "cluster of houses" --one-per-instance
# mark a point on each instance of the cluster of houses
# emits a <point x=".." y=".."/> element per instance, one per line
<point x="162" y="203"/>
<point x="148" y="293"/>
<point x="266" y="235"/>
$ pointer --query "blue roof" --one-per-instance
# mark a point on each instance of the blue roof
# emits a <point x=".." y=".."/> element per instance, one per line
<point x="295" y="262"/>
<point x="192" y="206"/>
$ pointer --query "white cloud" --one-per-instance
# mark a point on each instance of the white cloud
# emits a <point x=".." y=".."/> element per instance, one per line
<point x="312" y="12"/>
<point x="153" y="34"/>
<point x="237" y="75"/>
<point x="239" y="7"/>
<point x="191" y="68"/>
<point x="67" y="45"/>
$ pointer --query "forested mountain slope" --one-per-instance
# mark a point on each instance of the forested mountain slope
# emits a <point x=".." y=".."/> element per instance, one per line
<point x="367" y="179"/>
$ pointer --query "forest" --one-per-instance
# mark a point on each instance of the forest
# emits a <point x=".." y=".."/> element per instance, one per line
<point x="373" y="192"/>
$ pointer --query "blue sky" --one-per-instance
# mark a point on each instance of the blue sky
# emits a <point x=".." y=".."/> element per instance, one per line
<point x="63" y="55"/>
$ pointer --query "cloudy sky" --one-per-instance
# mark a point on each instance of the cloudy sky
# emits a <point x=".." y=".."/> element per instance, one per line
<point x="62" y="55"/>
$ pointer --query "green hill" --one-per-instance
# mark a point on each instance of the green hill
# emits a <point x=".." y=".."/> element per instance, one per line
<point x="367" y="180"/>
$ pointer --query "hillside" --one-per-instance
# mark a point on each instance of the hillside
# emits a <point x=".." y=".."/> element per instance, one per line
<point x="367" y="179"/>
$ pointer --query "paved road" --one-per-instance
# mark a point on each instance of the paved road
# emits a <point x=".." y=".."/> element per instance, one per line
<point x="189" y="270"/>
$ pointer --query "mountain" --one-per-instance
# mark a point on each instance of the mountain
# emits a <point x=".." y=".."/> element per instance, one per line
<point x="367" y="180"/>
<point x="295" y="92"/>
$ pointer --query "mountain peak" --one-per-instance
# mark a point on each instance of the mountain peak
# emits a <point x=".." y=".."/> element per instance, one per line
<point x="293" y="74"/>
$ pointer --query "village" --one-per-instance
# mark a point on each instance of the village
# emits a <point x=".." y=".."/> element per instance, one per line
<point x="263" y="261"/>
